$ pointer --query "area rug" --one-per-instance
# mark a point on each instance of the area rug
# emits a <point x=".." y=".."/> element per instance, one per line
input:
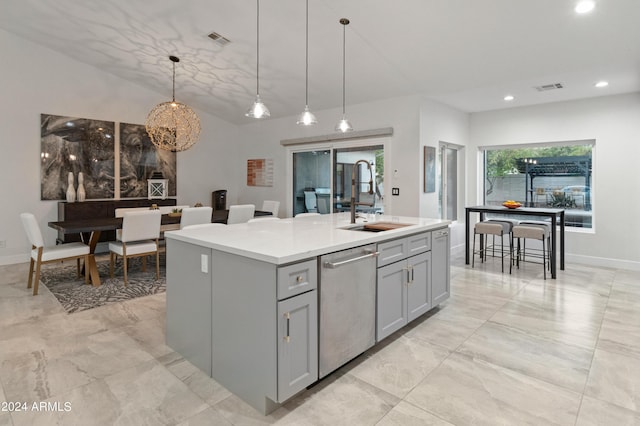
<point x="76" y="296"/>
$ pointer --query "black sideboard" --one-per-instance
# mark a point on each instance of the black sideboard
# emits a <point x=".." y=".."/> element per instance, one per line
<point x="102" y="208"/>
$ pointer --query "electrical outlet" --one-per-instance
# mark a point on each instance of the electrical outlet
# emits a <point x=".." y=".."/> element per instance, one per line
<point x="204" y="263"/>
<point x="3" y="243"/>
<point x="395" y="191"/>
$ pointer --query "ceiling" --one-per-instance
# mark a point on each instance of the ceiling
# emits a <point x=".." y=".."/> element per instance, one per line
<point x="465" y="53"/>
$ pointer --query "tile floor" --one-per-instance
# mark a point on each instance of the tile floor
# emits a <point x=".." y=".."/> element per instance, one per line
<point x="503" y="350"/>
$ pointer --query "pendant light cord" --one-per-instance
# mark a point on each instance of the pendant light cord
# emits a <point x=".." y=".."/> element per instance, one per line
<point x="173" y="96"/>
<point x="306" y="72"/>
<point x="344" y="56"/>
<point x="258" y="47"/>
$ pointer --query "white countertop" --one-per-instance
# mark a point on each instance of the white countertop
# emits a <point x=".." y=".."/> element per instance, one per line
<point x="290" y="240"/>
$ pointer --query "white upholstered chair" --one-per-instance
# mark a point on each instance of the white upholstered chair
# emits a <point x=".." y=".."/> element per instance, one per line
<point x="307" y="214"/>
<point x="40" y="254"/>
<point x="271" y="206"/>
<point x="139" y="237"/>
<point x="263" y="219"/>
<point x="195" y="216"/>
<point x="204" y="226"/>
<point x="240" y="213"/>
<point x="310" y="201"/>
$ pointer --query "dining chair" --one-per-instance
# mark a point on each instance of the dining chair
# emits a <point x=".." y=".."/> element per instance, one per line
<point x="271" y="206"/>
<point x="306" y="214"/>
<point x="494" y="228"/>
<point x="310" y="201"/>
<point x="240" y="213"/>
<point x="195" y="215"/>
<point x="204" y="226"/>
<point x="139" y="238"/>
<point x="40" y="254"/>
<point x="263" y="219"/>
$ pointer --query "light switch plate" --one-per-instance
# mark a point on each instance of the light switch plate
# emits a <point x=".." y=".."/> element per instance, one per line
<point x="204" y="263"/>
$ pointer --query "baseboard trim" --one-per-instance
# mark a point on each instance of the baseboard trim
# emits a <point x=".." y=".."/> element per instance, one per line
<point x="603" y="262"/>
<point x="13" y="259"/>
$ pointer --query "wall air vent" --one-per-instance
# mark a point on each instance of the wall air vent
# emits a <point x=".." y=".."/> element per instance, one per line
<point x="547" y="87"/>
<point x="222" y="41"/>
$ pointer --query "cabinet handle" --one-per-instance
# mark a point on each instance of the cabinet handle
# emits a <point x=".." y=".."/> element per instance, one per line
<point x="411" y="272"/>
<point x="299" y="278"/>
<point x="408" y="275"/>
<point x="287" y="338"/>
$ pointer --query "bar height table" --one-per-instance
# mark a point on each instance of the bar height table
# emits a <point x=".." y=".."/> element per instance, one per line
<point x="556" y="215"/>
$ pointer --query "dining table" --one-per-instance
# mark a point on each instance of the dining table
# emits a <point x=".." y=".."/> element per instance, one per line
<point x="90" y="230"/>
<point x="555" y="215"/>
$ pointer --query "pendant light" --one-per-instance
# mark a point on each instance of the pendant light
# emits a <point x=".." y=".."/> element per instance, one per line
<point x="258" y="109"/>
<point x="173" y="126"/>
<point x="343" y="125"/>
<point x="307" y="118"/>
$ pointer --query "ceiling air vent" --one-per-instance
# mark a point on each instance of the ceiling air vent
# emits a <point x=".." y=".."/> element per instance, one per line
<point x="547" y="87"/>
<point x="222" y="41"/>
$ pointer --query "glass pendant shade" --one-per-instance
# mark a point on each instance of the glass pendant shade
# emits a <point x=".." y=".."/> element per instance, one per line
<point x="307" y="118"/>
<point x="173" y="126"/>
<point x="258" y="109"/>
<point x="344" y="125"/>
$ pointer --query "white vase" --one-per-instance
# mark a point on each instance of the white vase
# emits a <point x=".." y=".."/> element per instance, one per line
<point x="71" y="192"/>
<point x="82" y="194"/>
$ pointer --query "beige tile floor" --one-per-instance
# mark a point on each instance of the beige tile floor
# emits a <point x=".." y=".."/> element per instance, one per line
<point x="503" y="350"/>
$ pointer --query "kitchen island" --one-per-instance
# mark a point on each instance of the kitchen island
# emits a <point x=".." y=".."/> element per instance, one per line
<point x="267" y="308"/>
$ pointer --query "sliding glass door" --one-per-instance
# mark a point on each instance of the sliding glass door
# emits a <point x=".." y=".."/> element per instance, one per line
<point x="322" y="179"/>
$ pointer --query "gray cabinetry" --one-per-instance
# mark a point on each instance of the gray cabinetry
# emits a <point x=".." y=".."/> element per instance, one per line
<point x="440" y="252"/>
<point x="297" y="327"/>
<point x="189" y="302"/>
<point x="404" y="286"/>
<point x="297" y="344"/>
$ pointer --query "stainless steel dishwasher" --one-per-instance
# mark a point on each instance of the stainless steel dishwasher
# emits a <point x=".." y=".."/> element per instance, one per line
<point x="347" y="311"/>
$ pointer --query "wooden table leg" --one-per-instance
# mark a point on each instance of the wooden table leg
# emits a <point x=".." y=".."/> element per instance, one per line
<point x="94" y="276"/>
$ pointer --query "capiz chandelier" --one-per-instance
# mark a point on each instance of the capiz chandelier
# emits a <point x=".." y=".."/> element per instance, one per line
<point x="173" y="126"/>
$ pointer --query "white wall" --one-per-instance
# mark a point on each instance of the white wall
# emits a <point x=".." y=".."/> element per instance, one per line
<point x="440" y="123"/>
<point x="262" y="140"/>
<point x="36" y="80"/>
<point x="614" y="123"/>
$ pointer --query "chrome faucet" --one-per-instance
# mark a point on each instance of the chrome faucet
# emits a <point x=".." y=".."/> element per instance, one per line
<point x="353" y="188"/>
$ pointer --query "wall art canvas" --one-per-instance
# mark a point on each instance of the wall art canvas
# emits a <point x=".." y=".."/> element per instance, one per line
<point x="260" y="172"/>
<point x="429" y="169"/>
<point x="139" y="159"/>
<point x="74" y="145"/>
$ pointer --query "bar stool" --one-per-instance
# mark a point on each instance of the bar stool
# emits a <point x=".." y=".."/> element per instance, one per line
<point x="535" y="231"/>
<point x="494" y="228"/>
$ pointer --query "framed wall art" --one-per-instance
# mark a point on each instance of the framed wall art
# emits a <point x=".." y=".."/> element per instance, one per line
<point x="70" y="146"/>
<point x="429" y="168"/>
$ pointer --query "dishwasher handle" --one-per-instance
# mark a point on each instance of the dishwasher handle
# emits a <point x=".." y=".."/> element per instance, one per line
<point x="334" y="265"/>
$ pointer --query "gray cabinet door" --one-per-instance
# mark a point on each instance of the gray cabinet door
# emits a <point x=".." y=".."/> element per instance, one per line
<point x="392" y="299"/>
<point x="440" y="249"/>
<point x="419" y="285"/>
<point x="297" y="344"/>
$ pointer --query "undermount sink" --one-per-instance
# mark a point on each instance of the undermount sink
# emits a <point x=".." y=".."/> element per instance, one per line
<point x="377" y="226"/>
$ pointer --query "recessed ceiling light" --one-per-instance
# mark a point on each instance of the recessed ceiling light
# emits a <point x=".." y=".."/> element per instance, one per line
<point x="585" y="6"/>
<point x="509" y="98"/>
<point x="602" y="84"/>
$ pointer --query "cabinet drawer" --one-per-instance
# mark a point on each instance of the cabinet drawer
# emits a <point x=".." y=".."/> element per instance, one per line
<point x="392" y="251"/>
<point x="297" y="278"/>
<point x="419" y="243"/>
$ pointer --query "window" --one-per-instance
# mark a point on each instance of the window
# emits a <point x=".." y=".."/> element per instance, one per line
<point x="555" y="175"/>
